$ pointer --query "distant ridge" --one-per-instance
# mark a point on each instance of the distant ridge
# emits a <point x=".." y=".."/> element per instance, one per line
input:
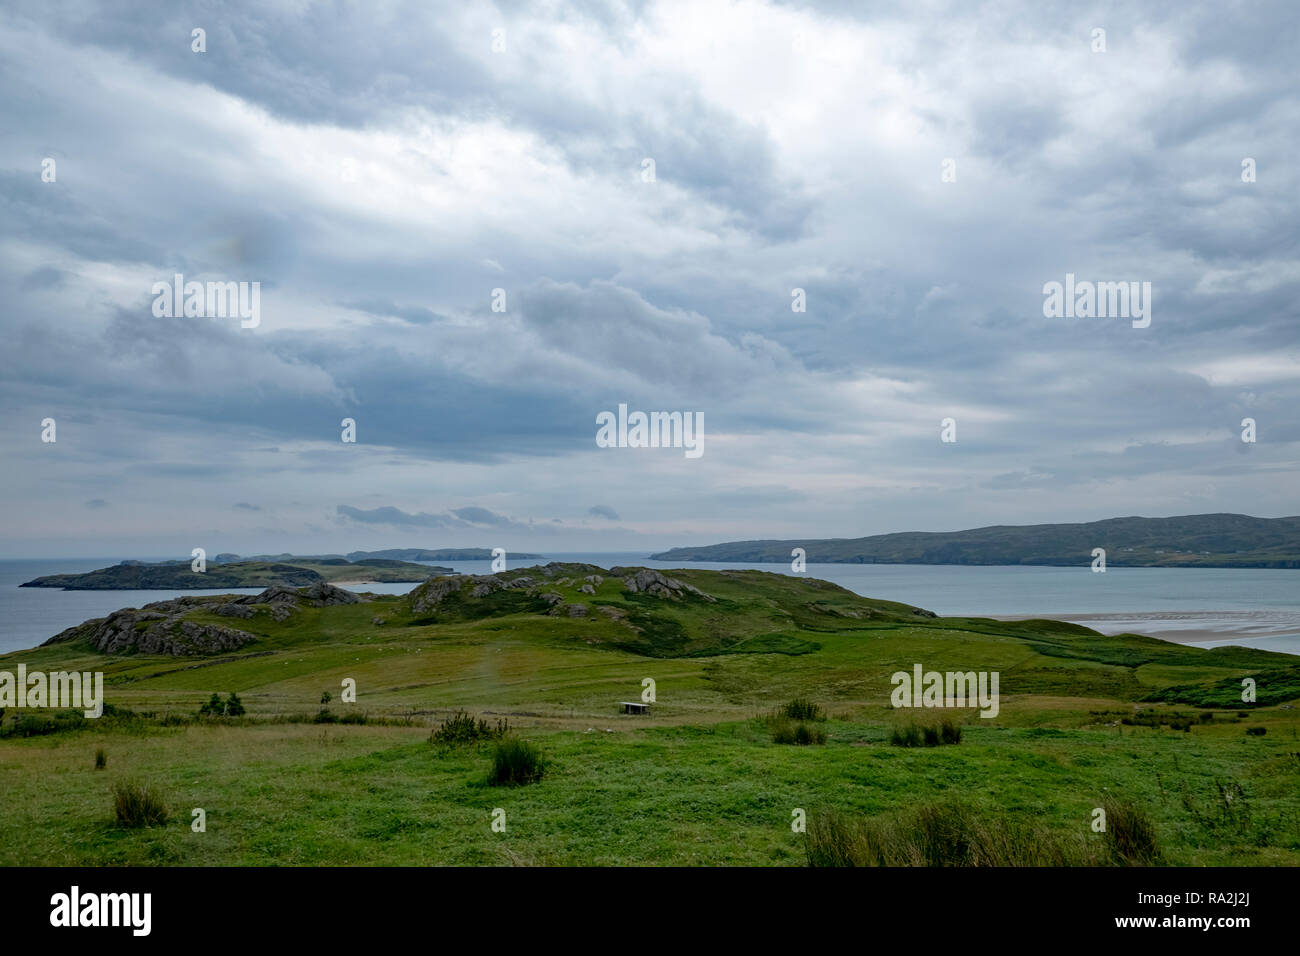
<point x="392" y="554"/>
<point x="438" y="554"/>
<point x="1205" y="541"/>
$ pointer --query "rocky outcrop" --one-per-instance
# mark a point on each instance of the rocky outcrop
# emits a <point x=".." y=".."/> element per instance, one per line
<point x="650" y="581"/>
<point x="150" y="631"/>
<point x="319" y="594"/>
<point x="436" y="590"/>
<point x="235" y="610"/>
<point x="162" y="627"/>
<point x="568" y="610"/>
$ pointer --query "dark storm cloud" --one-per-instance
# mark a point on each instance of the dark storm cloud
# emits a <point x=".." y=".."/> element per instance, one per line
<point x="460" y="518"/>
<point x="520" y="171"/>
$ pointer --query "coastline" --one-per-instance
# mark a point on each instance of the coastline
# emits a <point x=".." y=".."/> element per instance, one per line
<point x="1252" y="628"/>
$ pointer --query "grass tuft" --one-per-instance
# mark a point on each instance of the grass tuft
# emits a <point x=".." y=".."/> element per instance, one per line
<point x="516" y="762"/>
<point x="951" y="834"/>
<point x="135" y="806"/>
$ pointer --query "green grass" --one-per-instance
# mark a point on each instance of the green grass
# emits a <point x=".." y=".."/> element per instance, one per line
<point x="699" y="781"/>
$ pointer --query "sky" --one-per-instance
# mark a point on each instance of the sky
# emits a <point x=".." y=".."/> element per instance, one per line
<point x="639" y="189"/>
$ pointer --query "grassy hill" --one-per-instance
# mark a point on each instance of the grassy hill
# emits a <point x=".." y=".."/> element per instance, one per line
<point x="1084" y="718"/>
<point x="1207" y="541"/>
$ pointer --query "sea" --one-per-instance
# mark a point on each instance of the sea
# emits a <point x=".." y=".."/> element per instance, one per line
<point x="1206" y="606"/>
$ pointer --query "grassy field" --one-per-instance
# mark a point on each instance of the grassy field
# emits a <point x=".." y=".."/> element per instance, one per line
<point x="699" y="781"/>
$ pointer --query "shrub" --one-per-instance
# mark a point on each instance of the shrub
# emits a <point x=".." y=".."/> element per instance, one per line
<point x="1256" y="731"/>
<point x="216" y="707"/>
<point x="101" y="759"/>
<point x="516" y="762"/>
<point x="136" y="806"/>
<point x="931" y="736"/>
<point x="461" y="728"/>
<point x="39" y="725"/>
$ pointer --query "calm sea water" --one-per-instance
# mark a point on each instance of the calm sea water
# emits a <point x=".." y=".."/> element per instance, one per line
<point x="1256" y="608"/>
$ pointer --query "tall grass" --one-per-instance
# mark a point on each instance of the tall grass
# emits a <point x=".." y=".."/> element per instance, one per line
<point x="135" y="806"/>
<point x="916" y="734"/>
<point x="951" y="834"/>
<point x="516" y="762"/>
<point x="801" y="708"/>
<point x="1130" y="834"/>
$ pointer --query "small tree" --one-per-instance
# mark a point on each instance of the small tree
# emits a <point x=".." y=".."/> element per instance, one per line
<point x="234" y="706"/>
<point x="214" y="707"/>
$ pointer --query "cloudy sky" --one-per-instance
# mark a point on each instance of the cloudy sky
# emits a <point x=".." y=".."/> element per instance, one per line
<point x="380" y="168"/>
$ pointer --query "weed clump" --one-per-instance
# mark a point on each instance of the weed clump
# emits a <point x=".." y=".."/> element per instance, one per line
<point x="796" y="723"/>
<point x="460" y="728"/>
<point x="135" y="806"/>
<point x="803" y="709"/>
<point x="1130" y="834"/>
<point x="914" y="734"/>
<point x="516" y="762"/>
<point x="232" y="706"/>
<point x="952" y="834"/>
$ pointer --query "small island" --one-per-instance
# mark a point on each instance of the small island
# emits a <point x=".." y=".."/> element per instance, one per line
<point x="220" y="574"/>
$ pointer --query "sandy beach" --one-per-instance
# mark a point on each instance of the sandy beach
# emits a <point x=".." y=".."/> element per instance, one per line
<point x="1257" y="628"/>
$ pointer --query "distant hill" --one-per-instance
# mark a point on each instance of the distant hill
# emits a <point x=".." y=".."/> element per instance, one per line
<point x="176" y="575"/>
<point x="438" y="554"/>
<point x="1206" y="541"/>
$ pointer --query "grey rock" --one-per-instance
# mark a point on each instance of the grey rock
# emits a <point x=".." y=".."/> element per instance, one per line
<point x="149" y="631"/>
<point x="235" y="610"/>
<point x="649" y="581"/>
